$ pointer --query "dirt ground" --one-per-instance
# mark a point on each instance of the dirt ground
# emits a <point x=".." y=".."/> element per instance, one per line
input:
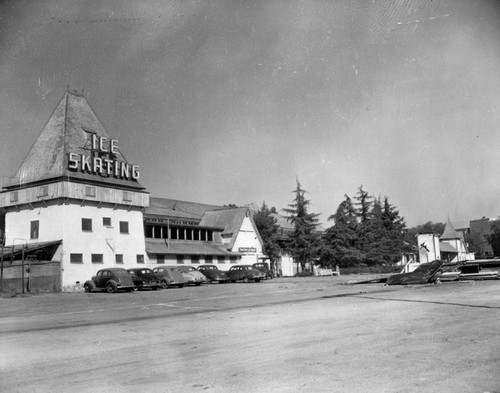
<point x="282" y="335"/>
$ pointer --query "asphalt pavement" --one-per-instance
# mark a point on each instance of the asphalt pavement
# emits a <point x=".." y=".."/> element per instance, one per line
<point x="282" y="335"/>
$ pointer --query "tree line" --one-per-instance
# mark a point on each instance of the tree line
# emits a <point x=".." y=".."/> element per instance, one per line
<point x="365" y="231"/>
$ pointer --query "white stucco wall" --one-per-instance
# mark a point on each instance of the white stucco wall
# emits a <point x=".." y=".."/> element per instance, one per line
<point x="64" y="222"/>
<point x="247" y="240"/>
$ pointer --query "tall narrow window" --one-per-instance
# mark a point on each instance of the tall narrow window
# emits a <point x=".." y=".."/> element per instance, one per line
<point x="87" y="224"/>
<point x="119" y="259"/>
<point x="127" y="196"/>
<point x="180" y="259"/>
<point x="140" y="258"/>
<point x="34" y="226"/>
<point x="90" y="191"/>
<point x="160" y="259"/>
<point x="123" y="226"/>
<point x="43" y="191"/>
<point x="14" y="196"/>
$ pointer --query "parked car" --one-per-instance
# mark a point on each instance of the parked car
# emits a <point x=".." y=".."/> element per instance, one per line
<point x="264" y="268"/>
<point x="144" y="278"/>
<point x="213" y="274"/>
<point x="192" y="275"/>
<point x="170" y="276"/>
<point x="110" y="280"/>
<point x="245" y="273"/>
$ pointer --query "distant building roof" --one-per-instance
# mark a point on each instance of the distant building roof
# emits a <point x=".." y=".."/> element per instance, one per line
<point x="174" y="208"/>
<point x="230" y="219"/>
<point x="67" y="131"/>
<point x="449" y="232"/>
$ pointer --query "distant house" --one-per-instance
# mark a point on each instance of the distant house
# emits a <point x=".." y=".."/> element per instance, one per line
<point x="450" y="246"/>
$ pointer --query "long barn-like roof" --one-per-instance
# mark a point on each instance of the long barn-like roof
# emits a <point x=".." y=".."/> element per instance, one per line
<point x="67" y="131"/>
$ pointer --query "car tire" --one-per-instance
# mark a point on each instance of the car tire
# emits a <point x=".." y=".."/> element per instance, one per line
<point x="110" y="287"/>
<point x="164" y="284"/>
<point x="245" y="279"/>
<point x="197" y="284"/>
<point x="257" y="280"/>
<point x="180" y="285"/>
<point x="88" y="287"/>
<point x="233" y="280"/>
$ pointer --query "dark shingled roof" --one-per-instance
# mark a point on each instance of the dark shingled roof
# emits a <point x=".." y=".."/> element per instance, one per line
<point x="174" y="208"/>
<point x="230" y="219"/>
<point x="449" y="232"/>
<point x="67" y="131"/>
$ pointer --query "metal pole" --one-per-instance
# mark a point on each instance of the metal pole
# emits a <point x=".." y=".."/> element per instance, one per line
<point x="22" y="269"/>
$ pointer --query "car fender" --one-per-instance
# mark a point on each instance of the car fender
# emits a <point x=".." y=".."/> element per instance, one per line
<point x="89" y="286"/>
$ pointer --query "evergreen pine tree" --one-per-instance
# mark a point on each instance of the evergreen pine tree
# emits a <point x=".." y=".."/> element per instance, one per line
<point x="304" y="240"/>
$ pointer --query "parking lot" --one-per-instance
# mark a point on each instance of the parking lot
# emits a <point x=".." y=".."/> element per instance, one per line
<point x="282" y="335"/>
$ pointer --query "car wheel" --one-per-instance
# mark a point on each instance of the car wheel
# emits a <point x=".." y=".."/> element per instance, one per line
<point x="245" y="279"/>
<point x="233" y="280"/>
<point x="257" y="280"/>
<point x="164" y="284"/>
<point x="110" y="287"/>
<point x="87" y="288"/>
<point x="180" y="285"/>
<point x="197" y="284"/>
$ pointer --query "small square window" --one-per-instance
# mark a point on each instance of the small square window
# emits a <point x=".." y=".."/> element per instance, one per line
<point x="160" y="259"/>
<point x="106" y="221"/>
<point x="87" y="224"/>
<point x="232" y="259"/>
<point x="76" y="258"/>
<point x="90" y="191"/>
<point x="119" y="258"/>
<point x="221" y="259"/>
<point x="123" y="226"/>
<point x="180" y="259"/>
<point x="140" y="258"/>
<point x="14" y="196"/>
<point x="97" y="258"/>
<point x="208" y="259"/>
<point x="195" y="259"/>
<point x="127" y="196"/>
<point x="43" y="191"/>
<point x="34" y="226"/>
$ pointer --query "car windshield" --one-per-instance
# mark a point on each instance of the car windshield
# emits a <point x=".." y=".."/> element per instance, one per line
<point x="247" y="268"/>
<point x="146" y="271"/>
<point x="211" y="268"/>
<point x="191" y="269"/>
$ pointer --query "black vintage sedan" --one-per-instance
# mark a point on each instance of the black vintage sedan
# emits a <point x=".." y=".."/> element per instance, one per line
<point x="213" y="274"/>
<point x="144" y="278"/>
<point x="245" y="273"/>
<point x="110" y="280"/>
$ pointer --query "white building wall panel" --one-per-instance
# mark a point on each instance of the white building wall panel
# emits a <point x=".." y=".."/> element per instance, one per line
<point x="64" y="222"/>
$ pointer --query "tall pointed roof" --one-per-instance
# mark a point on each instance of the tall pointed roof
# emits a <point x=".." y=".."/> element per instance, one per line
<point x="450" y="232"/>
<point x="230" y="219"/>
<point x="67" y="131"/>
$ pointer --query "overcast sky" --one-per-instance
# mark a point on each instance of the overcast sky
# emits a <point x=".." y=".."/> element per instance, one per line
<point x="226" y="101"/>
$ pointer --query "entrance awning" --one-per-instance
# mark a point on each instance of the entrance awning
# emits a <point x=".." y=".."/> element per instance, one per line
<point x="16" y="250"/>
